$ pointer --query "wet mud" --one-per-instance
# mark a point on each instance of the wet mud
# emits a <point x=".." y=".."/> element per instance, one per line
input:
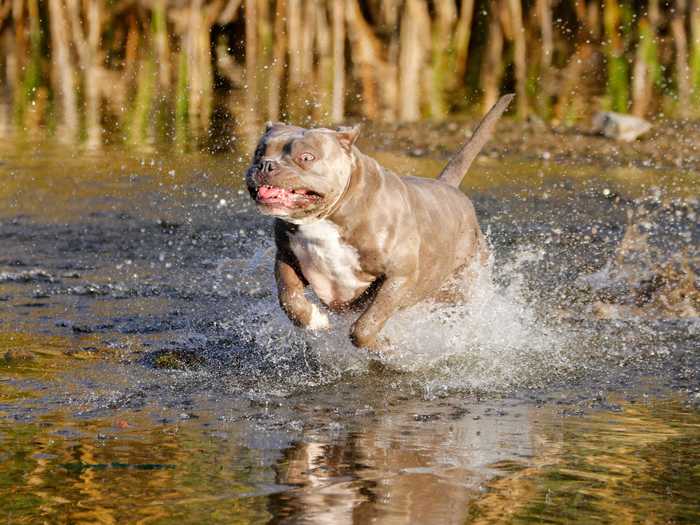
<point x="669" y="145"/>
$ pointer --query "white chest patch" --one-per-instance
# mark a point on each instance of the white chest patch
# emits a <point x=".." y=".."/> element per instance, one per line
<point x="330" y="265"/>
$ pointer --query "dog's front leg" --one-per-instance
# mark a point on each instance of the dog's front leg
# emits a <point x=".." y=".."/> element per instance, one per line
<point x="387" y="300"/>
<point x="290" y="292"/>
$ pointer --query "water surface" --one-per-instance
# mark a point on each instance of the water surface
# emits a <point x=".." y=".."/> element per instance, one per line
<point x="147" y="374"/>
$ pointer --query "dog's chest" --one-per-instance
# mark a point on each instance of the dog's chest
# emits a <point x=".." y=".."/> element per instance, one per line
<point x="331" y="266"/>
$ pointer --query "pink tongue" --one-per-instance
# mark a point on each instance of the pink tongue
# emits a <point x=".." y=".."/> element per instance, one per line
<point x="268" y="192"/>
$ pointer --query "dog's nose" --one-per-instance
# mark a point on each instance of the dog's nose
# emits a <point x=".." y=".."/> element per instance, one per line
<point x="267" y="166"/>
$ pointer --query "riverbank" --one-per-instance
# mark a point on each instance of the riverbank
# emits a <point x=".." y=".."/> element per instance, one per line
<point x="670" y="144"/>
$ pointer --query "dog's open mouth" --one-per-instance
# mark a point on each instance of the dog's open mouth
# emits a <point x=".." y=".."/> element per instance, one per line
<point x="289" y="198"/>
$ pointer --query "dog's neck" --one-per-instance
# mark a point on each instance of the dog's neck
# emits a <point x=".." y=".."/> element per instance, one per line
<point x="361" y="186"/>
<point x="338" y="201"/>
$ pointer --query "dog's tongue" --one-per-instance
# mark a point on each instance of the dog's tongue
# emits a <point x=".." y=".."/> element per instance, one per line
<point x="269" y="192"/>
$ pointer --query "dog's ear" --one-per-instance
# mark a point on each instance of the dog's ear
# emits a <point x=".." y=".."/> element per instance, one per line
<point x="269" y="125"/>
<point x="347" y="135"/>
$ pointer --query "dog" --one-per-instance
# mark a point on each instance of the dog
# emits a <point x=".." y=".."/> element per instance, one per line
<point x="359" y="235"/>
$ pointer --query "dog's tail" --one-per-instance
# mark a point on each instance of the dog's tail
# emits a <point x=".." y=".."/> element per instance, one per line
<point x="458" y="166"/>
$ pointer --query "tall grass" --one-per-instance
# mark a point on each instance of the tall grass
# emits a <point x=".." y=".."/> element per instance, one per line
<point x="85" y="65"/>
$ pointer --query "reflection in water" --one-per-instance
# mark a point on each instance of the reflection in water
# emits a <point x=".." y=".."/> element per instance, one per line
<point x="403" y="461"/>
<point x="421" y="468"/>
<point x="637" y="465"/>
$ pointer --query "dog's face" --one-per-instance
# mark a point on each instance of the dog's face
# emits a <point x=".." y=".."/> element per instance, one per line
<point x="298" y="174"/>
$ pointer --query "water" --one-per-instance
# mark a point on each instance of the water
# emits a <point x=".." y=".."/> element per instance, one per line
<point x="147" y="374"/>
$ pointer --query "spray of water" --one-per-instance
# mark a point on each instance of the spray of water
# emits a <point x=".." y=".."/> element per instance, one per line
<point x="492" y="341"/>
<point x="495" y="340"/>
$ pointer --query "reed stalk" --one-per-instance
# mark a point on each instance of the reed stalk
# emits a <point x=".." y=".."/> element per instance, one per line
<point x="647" y="71"/>
<point x="279" y="53"/>
<point x="443" y="26"/>
<point x="131" y="47"/>
<point x="617" y="65"/>
<point x="63" y="74"/>
<point x="695" y="54"/>
<point x="390" y="19"/>
<point x="33" y="76"/>
<point x="462" y="38"/>
<point x="9" y="53"/>
<point x="324" y="52"/>
<point x="229" y="13"/>
<point x="251" y="55"/>
<point x="338" y="104"/>
<point x="92" y="75"/>
<point x="682" y="69"/>
<point x="296" y="91"/>
<point x="9" y="68"/>
<point x="27" y="61"/>
<point x="545" y="82"/>
<point x="161" y="43"/>
<point x="181" y="101"/>
<point x="492" y="66"/>
<point x="308" y="35"/>
<point x="87" y="48"/>
<point x="294" y="30"/>
<point x="195" y="30"/>
<point x="412" y="58"/>
<point x="17" y="55"/>
<point x="366" y="57"/>
<point x="519" y="57"/>
<point x="142" y="106"/>
<point x="265" y="55"/>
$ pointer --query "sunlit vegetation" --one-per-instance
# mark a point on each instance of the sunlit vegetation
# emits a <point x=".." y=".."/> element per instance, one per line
<point x="165" y="70"/>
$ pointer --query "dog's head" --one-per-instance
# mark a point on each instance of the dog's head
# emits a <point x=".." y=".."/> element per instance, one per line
<point x="299" y="174"/>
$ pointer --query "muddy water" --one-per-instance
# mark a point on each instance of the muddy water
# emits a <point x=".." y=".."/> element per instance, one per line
<point x="147" y="375"/>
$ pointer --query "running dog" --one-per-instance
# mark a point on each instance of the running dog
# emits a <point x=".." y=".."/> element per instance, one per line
<point x="358" y="234"/>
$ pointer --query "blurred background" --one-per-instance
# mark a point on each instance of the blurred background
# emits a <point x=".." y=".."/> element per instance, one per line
<point x="98" y="71"/>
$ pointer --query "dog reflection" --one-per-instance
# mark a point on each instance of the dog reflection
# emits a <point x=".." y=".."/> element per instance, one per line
<point x="397" y="470"/>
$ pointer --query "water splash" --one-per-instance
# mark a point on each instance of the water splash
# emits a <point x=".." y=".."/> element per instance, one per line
<point x="533" y="323"/>
<point x="653" y="271"/>
<point x="493" y="341"/>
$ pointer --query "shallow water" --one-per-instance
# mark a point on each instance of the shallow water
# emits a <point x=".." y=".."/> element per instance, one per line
<point x="146" y="372"/>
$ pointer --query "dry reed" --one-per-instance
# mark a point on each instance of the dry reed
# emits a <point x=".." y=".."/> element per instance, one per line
<point x="86" y="65"/>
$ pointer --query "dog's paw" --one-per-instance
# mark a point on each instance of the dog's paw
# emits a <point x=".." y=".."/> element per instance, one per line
<point x="319" y="320"/>
<point x="362" y="338"/>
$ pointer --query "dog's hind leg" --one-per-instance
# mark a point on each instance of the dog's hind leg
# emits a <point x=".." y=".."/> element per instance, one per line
<point x="388" y="299"/>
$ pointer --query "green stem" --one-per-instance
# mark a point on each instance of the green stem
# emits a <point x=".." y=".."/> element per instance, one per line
<point x="181" y="101"/>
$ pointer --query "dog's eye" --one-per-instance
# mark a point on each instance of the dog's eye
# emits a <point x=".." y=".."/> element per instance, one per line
<point x="306" y="157"/>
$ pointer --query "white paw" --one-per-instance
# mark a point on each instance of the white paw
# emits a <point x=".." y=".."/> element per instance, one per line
<point x="319" y="320"/>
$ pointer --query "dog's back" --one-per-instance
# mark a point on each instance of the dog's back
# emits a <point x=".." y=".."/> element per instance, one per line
<point x="447" y="229"/>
